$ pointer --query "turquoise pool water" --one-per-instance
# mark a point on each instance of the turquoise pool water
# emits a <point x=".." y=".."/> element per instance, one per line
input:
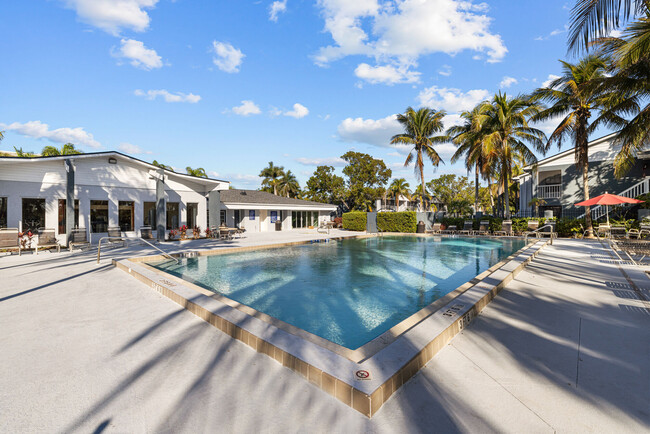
<point x="349" y="291"/>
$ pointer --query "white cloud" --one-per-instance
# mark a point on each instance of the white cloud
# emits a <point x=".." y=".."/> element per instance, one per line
<point x="299" y="111"/>
<point x="139" y="55"/>
<point x="168" y="96"/>
<point x="238" y="180"/>
<point x="113" y="15"/>
<point x="616" y="33"/>
<point x="129" y="148"/>
<point x="39" y="130"/>
<point x="386" y="74"/>
<point x="228" y="58"/>
<point x="334" y="161"/>
<point x="445" y="70"/>
<point x="550" y="79"/>
<point x="276" y="8"/>
<point x="553" y="33"/>
<point x="375" y="132"/>
<point x="450" y="99"/>
<point x="399" y="33"/>
<point x="507" y="82"/>
<point x="247" y="108"/>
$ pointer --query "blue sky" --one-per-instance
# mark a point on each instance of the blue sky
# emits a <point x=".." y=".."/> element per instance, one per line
<point x="231" y="85"/>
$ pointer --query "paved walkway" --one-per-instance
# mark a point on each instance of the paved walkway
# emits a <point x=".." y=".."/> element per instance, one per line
<point x="86" y="348"/>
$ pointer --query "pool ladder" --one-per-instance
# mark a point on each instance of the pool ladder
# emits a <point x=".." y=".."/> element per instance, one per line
<point x="165" y="254"/>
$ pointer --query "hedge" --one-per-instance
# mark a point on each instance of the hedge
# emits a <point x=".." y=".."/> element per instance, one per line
<point x="355" y="221"/>
<point x="403" y="221"/>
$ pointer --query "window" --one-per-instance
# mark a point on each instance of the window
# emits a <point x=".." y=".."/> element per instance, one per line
<point x="251" y="214"/>
<point x="274" y="216"/>
<point x="192" y="212"/>
<point x="125" y="215"/>
<point x="172" y="215"/>
<point x="303" y="219"/>
<point x="63" y="214"/>
<point x="222" y="216"/>
<point x="149" y="209"/>
<point x="552" y="177"/>
<point x="3" y="212"/>
<point x="33" y="214"/>
<point x="98" y="216"/>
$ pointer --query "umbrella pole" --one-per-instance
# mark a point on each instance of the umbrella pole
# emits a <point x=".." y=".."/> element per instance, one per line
<point x="607" y="212"/>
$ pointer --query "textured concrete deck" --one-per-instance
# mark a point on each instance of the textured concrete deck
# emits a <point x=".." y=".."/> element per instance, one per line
<point x="85" y="347"/>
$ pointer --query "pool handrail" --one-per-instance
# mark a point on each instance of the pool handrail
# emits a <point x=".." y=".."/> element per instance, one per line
<point x="538" y="231"/>
<point x="99" y="247"/>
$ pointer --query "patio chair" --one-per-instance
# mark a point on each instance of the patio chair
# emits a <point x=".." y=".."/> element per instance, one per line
<point x="603" y="230"/>
<point x="468" y="228"/>
<point x="531" y="230"/>
<point x="506" y="228"/>
<point x="9" y="239"/>
<point x="483" y="228"/>
<point x="636" y="250"/>
<point x="618" y="232"/>
<point x="634" y="233"/>
<point x="47" y="239"/>
<point x="225" y="233"/>
<point x="240" y="232"/>
<point x="435" y="229"/>
<point x="644" y="231"/>
<point x="115" y="234"/>
<point x="451" y="229"/>
<point x="214" y="232"/>
<point x="78" y="238"/>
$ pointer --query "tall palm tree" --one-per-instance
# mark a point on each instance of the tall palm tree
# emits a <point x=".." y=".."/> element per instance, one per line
<point x="162" y="166"/>
<point x="420" y="128"/>
<point x="198" y="172"/>
<point x="399" y="187"/>
<point x="272" y="175"/>
<point x="468" y="137"/>
<point x="288" y="185"/>
<point x="507" y="133"/>
<point x="67" y="149"/>
<point x="574" y="96"/>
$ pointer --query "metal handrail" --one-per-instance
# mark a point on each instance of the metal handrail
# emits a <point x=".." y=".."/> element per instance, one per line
<point x="99" y="246"/>
<point x="537" y="231"/>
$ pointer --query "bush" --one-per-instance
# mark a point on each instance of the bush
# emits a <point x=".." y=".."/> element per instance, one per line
<point x="567" y="227"/>
<point x="355" y="221"/>
<point x="338" y="222"/>
<point x="403" y="221"/>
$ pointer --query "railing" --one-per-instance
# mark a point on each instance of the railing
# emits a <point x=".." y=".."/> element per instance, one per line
<point x="641" y="187"/>
<point x="537" y="233"/>
<point x="552" y="191"/>
<point x="165" y="254"/>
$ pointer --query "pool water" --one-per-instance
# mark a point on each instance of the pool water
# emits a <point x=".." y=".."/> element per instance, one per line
<point x="350" y="291"/>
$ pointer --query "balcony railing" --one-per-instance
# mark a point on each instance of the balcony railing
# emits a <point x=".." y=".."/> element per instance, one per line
<point x="552" y="191"/>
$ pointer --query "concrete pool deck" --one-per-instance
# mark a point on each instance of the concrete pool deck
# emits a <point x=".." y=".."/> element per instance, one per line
<point x="564" y="347"/>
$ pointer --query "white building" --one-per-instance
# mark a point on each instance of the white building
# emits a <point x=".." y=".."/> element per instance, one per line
<point x="110" y="189"/>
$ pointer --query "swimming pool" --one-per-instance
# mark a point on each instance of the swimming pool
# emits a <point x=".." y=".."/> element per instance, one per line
<point x="351" y="291"/>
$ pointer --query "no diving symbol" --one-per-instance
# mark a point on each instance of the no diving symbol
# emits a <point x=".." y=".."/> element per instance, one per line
<point x="362" y="375"/>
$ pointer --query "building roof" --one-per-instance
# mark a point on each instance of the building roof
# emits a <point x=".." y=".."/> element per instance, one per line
<point x="262" y="197"/>
<point x="111" y="154"/>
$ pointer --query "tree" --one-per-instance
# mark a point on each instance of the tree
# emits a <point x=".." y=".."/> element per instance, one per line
<point x="420" y="128"/>
<point x="271" y="175"/>
<point x="67" y="149"/>
<point x="454" y="192"/>
<point x="198" y="172"/>
<point x="288" y="185"/>
<point x="574" y="96"/>
<point x="325" y="186"/>
<point x="399" y="187"/>
<point x="162" y="166"/>
<point x="536" y="202"/>
<point x="468" y="137"/>
<point x="23" y="154"/>
<point x="425" y="199"/>
<point x="366" y="179"/>
<point x="506" y="132"/>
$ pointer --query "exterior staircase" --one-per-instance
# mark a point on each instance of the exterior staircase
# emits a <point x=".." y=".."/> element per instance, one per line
<point x="641" y="187"/>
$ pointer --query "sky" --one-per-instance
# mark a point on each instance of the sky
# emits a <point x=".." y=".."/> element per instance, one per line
<point x="231" y="85"/>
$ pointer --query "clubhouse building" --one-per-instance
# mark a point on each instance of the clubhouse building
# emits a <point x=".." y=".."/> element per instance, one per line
<point x="99" y="190"/>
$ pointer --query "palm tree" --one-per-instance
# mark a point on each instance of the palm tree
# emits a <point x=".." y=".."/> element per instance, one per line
<point x="162" y="166"/>
<point x="399" y="187"/>
<point x="272" y="175"/>
<point x="23" y="154"/>
<point x="198" y="172"/>
<point x="420" y="128"/>
<point x="67" y="149"/>
<point x="288" y="185"/>
<point x="574" y="96"/>
<point x="505" y="122"/>
<point x="468" y="137"/>
<point x="425" y="198"/>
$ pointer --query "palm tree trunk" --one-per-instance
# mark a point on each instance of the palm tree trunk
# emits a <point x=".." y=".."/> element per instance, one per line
<point x="506" y="192"/>
<point x="583" y="160"/>
<point x="476" y="190"/>
<point x="420" y="205"/>
<point x="585" y="183"/>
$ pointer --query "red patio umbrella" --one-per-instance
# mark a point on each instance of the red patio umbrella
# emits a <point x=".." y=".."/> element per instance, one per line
<point x="608" y="199"/>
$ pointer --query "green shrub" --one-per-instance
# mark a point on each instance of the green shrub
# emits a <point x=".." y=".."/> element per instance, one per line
<point x="567" y="227"/>
<point x="403" y="221"/>
<point x="355" y="221"/>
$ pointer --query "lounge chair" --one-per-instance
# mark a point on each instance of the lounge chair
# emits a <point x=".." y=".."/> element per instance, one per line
<point x="214" y="232"/>
<point x="240" y="232"/>
<point x="506" y="228"/>
<point x="636" y="250"/>
<point x="531" y="230"/>
<point x="78" y="238"/>
<point x="468" y="228"/>
<point x="47" y="239"/>
<point x="435" y="229"/>
<point x="603" y="230"/>
<point x="618" y="232"/>
<point x="451" y="229"/>
<point x="225" y="233"/>
<point x="115" y="234"/>
<point x="644" y="231"/>
<point x="9" y="239"/>
<point x="483" y="228"/>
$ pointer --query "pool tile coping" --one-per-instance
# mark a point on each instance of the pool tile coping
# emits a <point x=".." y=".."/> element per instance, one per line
<point x="337" y="375"/>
